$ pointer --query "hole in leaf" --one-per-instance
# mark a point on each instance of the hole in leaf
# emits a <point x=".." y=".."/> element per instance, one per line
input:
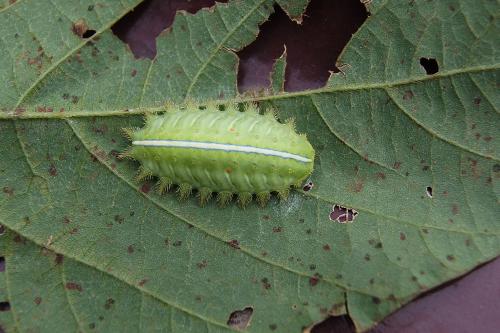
<point x="343" y="214"/>
<point x="140" y="27"/>
<point x="428" y="190"/>
<point x="2" y="264"/>
<point x="312" y="47"/>
<point x="308" y="186"/>
<point x="430" y="65"/>
<point x="240" y="319"/>
<point x="89" y="33"/>
<point x="334" y="324"/>
<point x="4" y="306"/>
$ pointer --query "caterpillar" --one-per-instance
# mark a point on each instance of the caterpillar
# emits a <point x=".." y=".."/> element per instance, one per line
<point x="234" y="152"/>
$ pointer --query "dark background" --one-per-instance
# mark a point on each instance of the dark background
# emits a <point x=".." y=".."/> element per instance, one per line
<point x="468" y="304"/>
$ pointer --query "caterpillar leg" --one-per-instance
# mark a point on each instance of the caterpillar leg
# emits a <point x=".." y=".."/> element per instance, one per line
<point x="163" y="185"/>
<point x="283" y="194"/>
<point x="263" y="198"/>
<point x="224" y="197"/>
<point x="204" y="194"/>
<point x="244" y="199"/>
<point x="143" y="174"/>
<point x="184" y="190"/>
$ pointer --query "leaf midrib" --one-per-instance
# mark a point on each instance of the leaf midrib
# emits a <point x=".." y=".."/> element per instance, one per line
<point x="286" y="95"/>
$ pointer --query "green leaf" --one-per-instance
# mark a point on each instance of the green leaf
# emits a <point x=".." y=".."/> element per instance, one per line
<point x="89" y="248"/>
<point x="295" y="9"/>
<point x="278" y="74"/>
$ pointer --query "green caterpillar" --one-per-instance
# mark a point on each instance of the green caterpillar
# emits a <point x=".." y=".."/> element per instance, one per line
<point x="229" y="152"/>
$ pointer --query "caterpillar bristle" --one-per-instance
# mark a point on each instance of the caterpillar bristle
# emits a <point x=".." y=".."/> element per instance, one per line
<point x="143" y="174"/>
<point x="126" y="154"/>
<point x="244" y="199"/>
<point x="191" y="106"/>
<point x="271" y="113"/>
<point x="163" y="185"/>
<point x="283" y="194"/>
<point x="291" y="123"/>
<point x="212" y="106"/>
<point x="204" y="194"/>
<point x="224" y="197"/>
<point x="148" y="118"/>
<point x="232" y="108"/>
<point x="184" y="191"/>
<point x="169" y="106"/>
<point x="128" y="132"/>
<point x="263" y="198"/>
<point x="252" y="107"/>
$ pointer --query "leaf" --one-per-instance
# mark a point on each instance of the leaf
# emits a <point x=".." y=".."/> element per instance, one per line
<point x="88" y="248"/>
<point x="294" y="9"/>
<point x="278" y="74"/>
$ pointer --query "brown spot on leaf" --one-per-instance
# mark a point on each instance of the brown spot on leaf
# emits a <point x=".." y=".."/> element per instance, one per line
<point x="133" y="73"/>
<point x="142" y="282"/>
<point x="8" y="190"/>
<point x="79" y="28"/>
<point x="380" y="175"/>
<point x="109" y="303"/>
<point x="202" y="264"/>
<point x="37" y="300"/>
<point x="408" y="95"/>
<point x="450" y="257"/>
<point x="265" y="283"/>
<point x="326" y="247"/>
<point x="477" y="101"/>
<point x="234" y="244"/>
<point x="376" y="300"/>
<point x="145" y="188"/>
<point x="20" y="240"/>
<point x="358" y="186"/>
<point x="277" y="229"/>
<point x="455" y="209"/>
<point x="52" y="170"/>
<point x="130" y="249"/>
<point x="402" y="236"/>
<point x="313" y="281"/>
<point x="44" y="109"/>
<point x="73" y="286"/>
<point x="59" y="259"/>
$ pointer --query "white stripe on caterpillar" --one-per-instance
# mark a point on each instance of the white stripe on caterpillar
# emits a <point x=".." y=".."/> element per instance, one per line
<point x="219" y="146"/>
